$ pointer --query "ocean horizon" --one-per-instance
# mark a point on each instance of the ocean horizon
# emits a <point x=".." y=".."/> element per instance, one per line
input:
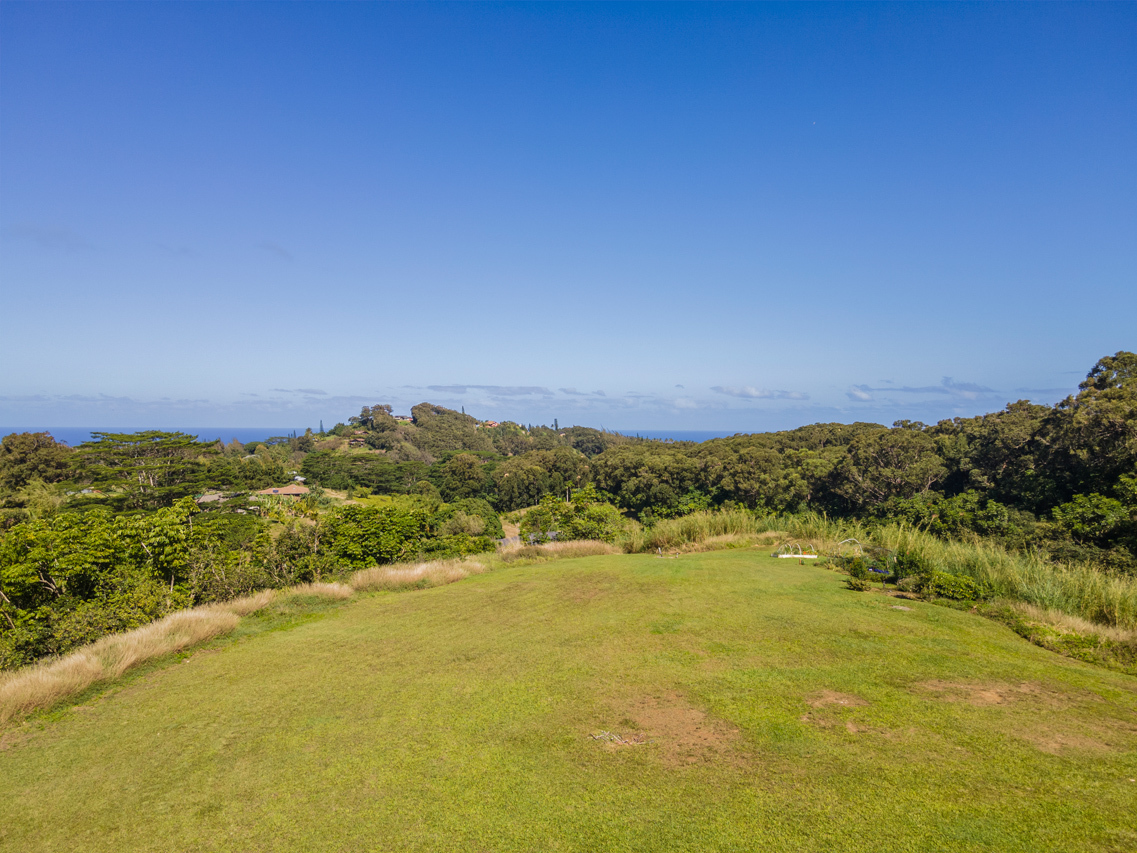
<point x="75" y="436"/>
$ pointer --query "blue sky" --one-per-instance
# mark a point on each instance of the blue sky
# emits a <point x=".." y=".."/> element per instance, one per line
<point x="655" y="216"/>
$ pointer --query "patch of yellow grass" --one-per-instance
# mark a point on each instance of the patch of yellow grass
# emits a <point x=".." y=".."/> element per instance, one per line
<point x="557" y="550"/>
<point x="41" y="686"/>
<point x="434" y="573"/>
<point x="728" y="541"/>
<point x="334" y="591"/>
<point x="1067" y="623"/>
<point x="247" y="604"/>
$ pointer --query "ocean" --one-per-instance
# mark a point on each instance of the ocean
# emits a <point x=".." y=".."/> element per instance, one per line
<point x="696" y="435"/>
<point x="75" y="436"/>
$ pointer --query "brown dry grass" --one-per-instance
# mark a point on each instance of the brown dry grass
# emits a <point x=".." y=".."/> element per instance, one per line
<point x="831" y="697"/>
<point x="419" y="575"/>
<point x="680" y="733"/>
<point x="727" y="541"/>
<point x="983" y="693"/>
<point x="43" y="685"/>
<point x="557" y="550"/>
<point x="334" y="591"/>
<point x="247" y="604"/>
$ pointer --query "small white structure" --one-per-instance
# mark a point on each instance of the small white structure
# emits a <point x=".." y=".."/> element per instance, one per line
<point x="794" y="551"/>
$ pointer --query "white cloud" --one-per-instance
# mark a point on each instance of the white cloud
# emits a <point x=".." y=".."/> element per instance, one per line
<point x="749" y="392"/>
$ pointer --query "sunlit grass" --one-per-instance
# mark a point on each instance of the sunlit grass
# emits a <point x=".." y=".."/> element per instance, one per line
<point x="711" y="702"/>
<point x="41" y="686"/>
<point x="1078" y="590"/>
<point x="50" y="682"/>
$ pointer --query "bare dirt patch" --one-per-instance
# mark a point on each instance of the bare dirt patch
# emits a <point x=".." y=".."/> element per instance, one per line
<point x="826" y="714"/>
<point x="831" y="697"/>
<point x="1058" y="743"/>
<point x="982" y="694"/>
<point x="1057" y="724"/>
<point x="1059" y="735"/>
<point x="680" y="733"/>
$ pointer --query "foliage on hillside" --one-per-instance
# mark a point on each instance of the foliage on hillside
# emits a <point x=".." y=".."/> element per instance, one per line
<point x="127" y="527"/>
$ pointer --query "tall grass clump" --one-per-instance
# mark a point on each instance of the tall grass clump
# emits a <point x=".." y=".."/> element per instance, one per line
<point x="557" y="550"/>
<point x="41" y="686"/>
<point x="333" y="591"/>
<point x="698" y="527"/>
<point x="247" y="604"/>
<point x="738" y="526"/>
<point x="1064" y="623"/>
<point x="824" y="532"/>
<point x="416" y="576"/>
<point x="1076" y="589"/>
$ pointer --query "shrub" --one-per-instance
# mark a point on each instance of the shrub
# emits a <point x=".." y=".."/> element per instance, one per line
<point x="857" y="569"/>
<point x="910" y="584"/>
<point x="362" y="536"/>
<point x="911" y="564"/>
<point x="457" y="545"/>
<point x="584" y="517"/>
<point x="472" y="516"/>
<point x="956" y="587"/>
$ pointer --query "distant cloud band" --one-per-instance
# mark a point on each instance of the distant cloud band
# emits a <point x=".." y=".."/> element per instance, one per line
<point x="496" y="390"/>
<point x="748" y="392"/>
<point x="948" y="387"/>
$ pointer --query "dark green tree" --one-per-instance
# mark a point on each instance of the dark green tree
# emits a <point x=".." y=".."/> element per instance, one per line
<point x="463" y="476"/>
<point x="897" y="463"/>
<point x="28" y="456"/>
<point x="149" y="469"/>
<point x="1090" y="441"/>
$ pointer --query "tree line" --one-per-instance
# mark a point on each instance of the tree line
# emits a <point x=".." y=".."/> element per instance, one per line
<point x="127" y="527"/>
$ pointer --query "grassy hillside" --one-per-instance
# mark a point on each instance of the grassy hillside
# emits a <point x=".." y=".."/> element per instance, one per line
<point x="718" y="701"/>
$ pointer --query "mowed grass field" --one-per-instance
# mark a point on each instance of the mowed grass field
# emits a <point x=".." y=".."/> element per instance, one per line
<point x="713" y="702"/>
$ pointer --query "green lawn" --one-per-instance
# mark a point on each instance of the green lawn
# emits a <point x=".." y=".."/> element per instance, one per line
<point x="778" y="711"/>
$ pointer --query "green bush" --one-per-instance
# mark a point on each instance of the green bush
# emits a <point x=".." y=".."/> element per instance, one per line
<point x="458" y="545"/>
<point x="956" y="587"/>
<point x="584" y="517"/>
<point x="363" y="536"/>
<point x="857" y="568"/>
<point x="911" y="564"/>
<point x="462" y="516"/>
<point x="68" y="579"/>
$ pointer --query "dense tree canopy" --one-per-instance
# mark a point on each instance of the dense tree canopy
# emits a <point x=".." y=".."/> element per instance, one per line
<point x="29" y="456"/>
<point x="128" y="526"/>
<point x="151" y="468"/>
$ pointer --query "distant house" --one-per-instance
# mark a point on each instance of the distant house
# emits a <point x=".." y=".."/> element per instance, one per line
<point x="292" y="490"/>
<point x="490" y="424"/>
<point x="403" y="418"/>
